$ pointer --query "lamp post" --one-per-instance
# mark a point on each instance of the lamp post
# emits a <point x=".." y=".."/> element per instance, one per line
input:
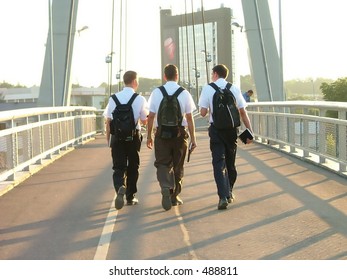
<point x="76" y="55"/>
<point x="82" y="29"/>
<point x="208" y="59"/>
<point x="197" y="76"/>
<point x="108" y="61"/>
<point x="233" y="70"/>
<point x="119" y="78"/>
<point x="236" y="24"/>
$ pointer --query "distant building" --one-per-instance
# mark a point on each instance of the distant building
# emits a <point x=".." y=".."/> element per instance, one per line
<point x="17" y="98"/>
<point x="213" y="28"/>
<point x="19" y="95"/>
<point x="94" y="97"/>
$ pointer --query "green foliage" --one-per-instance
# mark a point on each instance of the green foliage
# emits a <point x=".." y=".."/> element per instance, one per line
<point x="308" y="89"/>
<point x="336" y="91"/>
<point x="7" y="85"/>
<point x="331" y="145"/>
<point x="247" y="83"/>
<point x="147" y="85"/>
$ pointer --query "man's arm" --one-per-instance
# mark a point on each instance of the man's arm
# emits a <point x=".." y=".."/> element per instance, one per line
<point x="191" y="129"/>
<point x="107" y="123"/>
<point x="144" y="113"/>
<point x="150" y="121"/>
<point x="144" y="122"/>
<point x="246" y="121"/>
<point x="203" y="111"/>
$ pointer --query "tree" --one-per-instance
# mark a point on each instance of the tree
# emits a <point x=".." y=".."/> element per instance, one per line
<point x="336" y="91"/>
<point x="8" y="85"/>
<point x="147" y="85"/>
<point x="247" y="83"/>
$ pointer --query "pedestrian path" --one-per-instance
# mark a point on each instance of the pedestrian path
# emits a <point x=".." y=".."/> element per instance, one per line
<point x="284" y="209"/>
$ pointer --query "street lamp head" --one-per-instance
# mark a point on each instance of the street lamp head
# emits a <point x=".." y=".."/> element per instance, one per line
<point x="82" y="29"/>
<point x="236" y="24"/>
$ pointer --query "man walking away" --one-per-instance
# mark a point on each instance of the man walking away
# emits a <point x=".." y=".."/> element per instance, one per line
<point x="123" y="134"/>
<point x="170" y="112"/>
<point x="223" y="135"/>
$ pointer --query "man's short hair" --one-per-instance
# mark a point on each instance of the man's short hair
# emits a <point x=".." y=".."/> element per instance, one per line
<point x="129" y="77"/>
<point x="170" y="72"/>
<point x="221" y="70"/>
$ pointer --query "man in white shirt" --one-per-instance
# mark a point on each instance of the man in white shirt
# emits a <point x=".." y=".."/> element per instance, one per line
<point x="223" y="143"/>
<point x="170" y="153"/>
<point x="125" y="154"/>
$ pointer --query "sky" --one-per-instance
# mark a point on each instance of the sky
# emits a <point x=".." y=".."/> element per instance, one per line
<point x="312" y="37"/>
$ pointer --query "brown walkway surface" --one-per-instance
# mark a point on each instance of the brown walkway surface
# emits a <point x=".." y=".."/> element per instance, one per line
<point x="284" y="209"/>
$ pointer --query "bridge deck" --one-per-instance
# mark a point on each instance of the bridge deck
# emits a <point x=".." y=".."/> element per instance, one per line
<point x="285" y="209"/>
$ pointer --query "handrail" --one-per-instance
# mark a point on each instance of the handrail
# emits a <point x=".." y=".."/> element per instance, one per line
<point x="300" y="128"/>
<point x="28" y="136"/>
<point x="303" y="129"/>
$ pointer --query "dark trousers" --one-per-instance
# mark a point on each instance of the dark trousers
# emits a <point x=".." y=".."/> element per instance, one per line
<point x="169" y="160"/>
<point x="126" y="163"/>
<point x="223" y="148"/>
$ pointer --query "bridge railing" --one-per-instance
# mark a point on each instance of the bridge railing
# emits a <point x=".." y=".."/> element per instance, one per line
<point x="304" y="129"/>
<point x="28" y="136"/>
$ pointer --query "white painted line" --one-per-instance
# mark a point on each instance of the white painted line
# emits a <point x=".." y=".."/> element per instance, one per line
<point x="185" y="234"/>
<point x="106" y="235"/>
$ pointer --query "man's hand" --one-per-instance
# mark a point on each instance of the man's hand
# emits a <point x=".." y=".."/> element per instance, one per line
<point x="149" y="143"/>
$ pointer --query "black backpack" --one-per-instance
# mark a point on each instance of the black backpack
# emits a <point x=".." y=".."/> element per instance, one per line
<point x="123" y="124"/>
<point x="169" y="114"/>
<point x="225" y="114"/>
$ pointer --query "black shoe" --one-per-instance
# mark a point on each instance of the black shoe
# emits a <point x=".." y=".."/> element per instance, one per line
<point x="134" y="201"/>
<point x="231" y="199"/>
<point x="166" y="199"/>
<point x="119" y="201"/>
<point x="176" y="200"/>
<point x="223" y="203"/>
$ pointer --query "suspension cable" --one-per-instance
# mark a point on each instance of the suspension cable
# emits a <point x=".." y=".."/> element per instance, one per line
<point x="183" y="72"/>
<point x="111" y="52"/>
<point x="126" y="34"/>
<point x="187" y="44"/>
<point x="120" y="44"/>
<point x="196" y="68"/>
<point x="205" y="48"/>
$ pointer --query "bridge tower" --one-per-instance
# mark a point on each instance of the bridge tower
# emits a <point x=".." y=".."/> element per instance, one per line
<point x="55" y="89"/>
<point x="264" y="57"/>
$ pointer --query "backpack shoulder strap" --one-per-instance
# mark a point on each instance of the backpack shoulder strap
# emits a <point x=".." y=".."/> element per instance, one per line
<point x="163" y="91"/>
<point x="228" y="86"/>
<point x="115" y="99"/>
<point x="178" y="91"/>
<point x="131" y="100"/>
<point x="214" y="86"/>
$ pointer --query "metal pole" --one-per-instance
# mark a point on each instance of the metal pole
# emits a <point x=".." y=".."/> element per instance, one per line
<point x="281" y="49"/>
<point x="120" y="43"/>
<point x="187" y="44"/>
<point x="50" y="9"/>
<point x="196" y="67"/>
<point x="203" y="26"/>
<point x="111" y="52"/>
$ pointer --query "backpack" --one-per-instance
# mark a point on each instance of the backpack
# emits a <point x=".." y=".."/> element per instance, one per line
<point x="123" y="124"/>
<point x="169" y="114"/>
<point x="225" y="114"/>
